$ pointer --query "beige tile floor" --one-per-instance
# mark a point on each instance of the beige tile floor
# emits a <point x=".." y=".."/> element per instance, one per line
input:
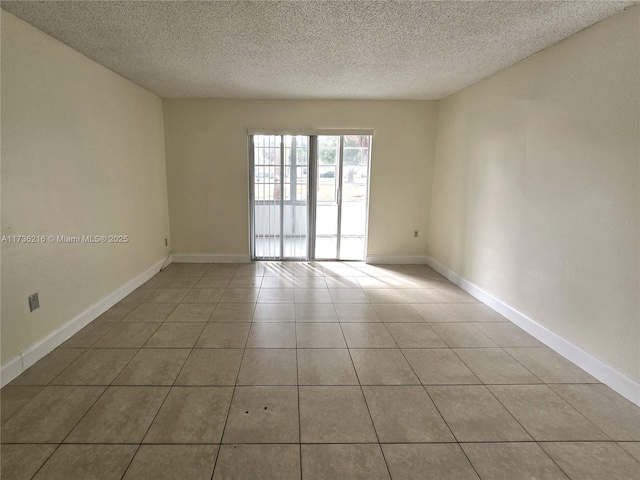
<point x="315" y="371"/>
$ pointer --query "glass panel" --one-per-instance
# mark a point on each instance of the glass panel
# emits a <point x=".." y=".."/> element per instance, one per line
<point x="266" y="214"/>
<point x="280" y="200"/>
<point x="327" y="184"/>
<point x="327" y="198"/>
<point x="295" y="206"/>
<point x="328" y="150"/>
<point x="301" y="188"/>
<point x="303" y="152"/>
<point x="354" y="196"/>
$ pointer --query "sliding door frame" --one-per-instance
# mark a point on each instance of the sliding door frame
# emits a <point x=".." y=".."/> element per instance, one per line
<point x="339" y="196"/>
<point x="312" y="171"/>
<point x="252" y="196"/>
<point x="293" y="193"/>
<point x="312" y="183"/>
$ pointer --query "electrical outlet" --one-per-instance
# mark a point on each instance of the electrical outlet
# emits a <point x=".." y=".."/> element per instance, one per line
<point x="415" y="234"/>
<point x="34" y="302"/>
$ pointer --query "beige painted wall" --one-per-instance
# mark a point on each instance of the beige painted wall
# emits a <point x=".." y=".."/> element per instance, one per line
<point x="207" y="167"/>
<point x="82" y="153"/>
<point x="535" y="191"/>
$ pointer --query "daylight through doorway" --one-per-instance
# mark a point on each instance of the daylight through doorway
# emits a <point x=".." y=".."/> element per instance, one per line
<point x="309" y="196"/>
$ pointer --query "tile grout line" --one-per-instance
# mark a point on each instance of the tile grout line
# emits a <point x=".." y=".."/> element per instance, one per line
<point x="442" y="442"/>
<point x="553" y="460"/>
<point x="175" y="379"/>
<point x="46" y="460"/>
<point x="194" y="345"/>
<point x="92" y="405"/>
<point x="215" y="461"/>
<point x="233" y="393"/>
<point x="523" y="365"/>
<point x="424" y="387"/>
<point x="556" y="394"/>
<point x="366" y="404"/>
<point x="295" y="327"/>
<point x="165" y="397"/>
<point x="362" y="389"/>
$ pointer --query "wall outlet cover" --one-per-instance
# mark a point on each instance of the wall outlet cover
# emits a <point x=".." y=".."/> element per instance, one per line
<point x="34" y="302"/>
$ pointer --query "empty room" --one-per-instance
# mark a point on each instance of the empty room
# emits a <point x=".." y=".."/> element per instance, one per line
<point x="320" y="240"/>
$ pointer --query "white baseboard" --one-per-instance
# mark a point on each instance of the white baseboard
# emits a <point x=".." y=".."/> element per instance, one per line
<point x="11" y="370"/>
<point x="396" y="259"/>
<point x="625" y="386"/>
<point x="209" y="258"/>
<point x="38" y="350"/>
<point x="217" y="258"/>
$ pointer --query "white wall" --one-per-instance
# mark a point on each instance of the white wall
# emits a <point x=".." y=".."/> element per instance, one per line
<point x="535" y="189"/>
<point x="82" y="153"/>
<point x="207" y="167"/>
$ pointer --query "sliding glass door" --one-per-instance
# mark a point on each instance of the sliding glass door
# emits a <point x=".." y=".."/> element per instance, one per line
<point x="327" y="197"/>
<point x="342" y="197"/>
<point x="354" y="188"/>
<point x="280" y="186"/>
<point x="309" y="196"/>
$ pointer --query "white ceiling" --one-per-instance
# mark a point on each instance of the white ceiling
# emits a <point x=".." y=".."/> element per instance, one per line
<point x="310" y="49"/>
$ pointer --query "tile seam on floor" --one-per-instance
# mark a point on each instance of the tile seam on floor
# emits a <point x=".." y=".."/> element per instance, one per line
<point x="570" y="406"/>
<point x="165" y="398"/>
<point x="85" y="413"/>
<point x="375" y="430"/>
<point x="524" y="428"/>
<point x="295" y="328"/>
<point x="233" y="393"/>
<point x="424" y="388"/>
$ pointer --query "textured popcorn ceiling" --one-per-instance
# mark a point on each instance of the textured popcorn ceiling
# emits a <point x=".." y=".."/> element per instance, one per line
<point x="310" y="49"/>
